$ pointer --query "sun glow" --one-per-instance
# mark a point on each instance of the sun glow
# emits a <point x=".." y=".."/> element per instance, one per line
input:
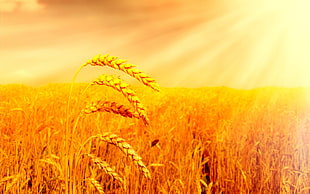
<point x="284" y="46"/>
<point x="240" y="43"/>
<point x="288" y="41"/>
<point x="248" y="44"/>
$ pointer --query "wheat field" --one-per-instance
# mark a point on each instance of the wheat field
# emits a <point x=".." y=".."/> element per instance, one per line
<point x="202" y="140"/>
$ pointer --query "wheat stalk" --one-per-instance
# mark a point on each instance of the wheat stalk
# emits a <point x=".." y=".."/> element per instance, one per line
<point x="107" y="106"/>
<point x="5" y="179"/>
<point x="123" y="146"/>
<point x="10" y="185"/>
<point x="123" y="87"/>
<point x="99" y="106"/>
<point x="13" y="180"/>
<point x="127" y="149"/>
<point x="107" y="169"/>
<point x="114" y="62"/>
<point x="96" y="185"/>
<point x="55" y="164"/>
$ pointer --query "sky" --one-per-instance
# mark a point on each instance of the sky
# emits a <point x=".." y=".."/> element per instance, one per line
<point x="240" y="44"/>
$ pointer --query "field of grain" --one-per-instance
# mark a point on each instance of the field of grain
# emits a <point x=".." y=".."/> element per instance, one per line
<point x="202" y="140"/>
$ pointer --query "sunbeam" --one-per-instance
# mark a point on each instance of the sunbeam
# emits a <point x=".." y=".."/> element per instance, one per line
<point x="256" y="44"/>
<point x="240" y="44"/>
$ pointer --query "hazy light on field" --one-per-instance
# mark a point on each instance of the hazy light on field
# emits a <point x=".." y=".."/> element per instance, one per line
<point x="242" y="44"/>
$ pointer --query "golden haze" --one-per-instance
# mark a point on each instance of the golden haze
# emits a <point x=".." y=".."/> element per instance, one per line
<point x="241" y="44"/>
<point x="210" y="140"/>
<point x="203" y="140"/>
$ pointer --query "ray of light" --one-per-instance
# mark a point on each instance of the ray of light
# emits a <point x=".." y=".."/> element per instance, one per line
<point x="241" y="43"/>
<point x="260" y="43"/>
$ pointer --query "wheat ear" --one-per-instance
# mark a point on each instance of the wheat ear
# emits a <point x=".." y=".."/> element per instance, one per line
<point x="123" y="87"/>
<point x="96" y="185"/>
<point x="107" y="106"/>
<point x="107" y="169"/>
<point x="127" y="149"/>
<point x="114" y="62"/>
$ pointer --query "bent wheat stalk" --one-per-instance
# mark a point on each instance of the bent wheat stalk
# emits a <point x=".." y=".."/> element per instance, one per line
<point x="102" y="165"/>
<point x="114" y="62"/>
<point x="55" y="164"/>
<point x="107" y="106"/>
<point x="99" y="106"/>
<point x="95" y="184"/>
<point x="127" y="149"/>
<point x="123" y="87"/>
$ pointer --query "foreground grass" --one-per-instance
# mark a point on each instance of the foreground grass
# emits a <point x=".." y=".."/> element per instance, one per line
<point x="209" y="140"/>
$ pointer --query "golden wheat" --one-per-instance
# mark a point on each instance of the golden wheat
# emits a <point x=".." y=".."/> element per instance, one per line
<point x="107" y="106"/>
<point x="55" y="164"/>
<point x="123" y="87"/>
<point x="209" y="132"/>
<point x="5" y="179"/>
<point x="127" y="149"/>
<point x="114" y="62"/>
<point x="96" y="185"/>
<point x="10" y="181"/>
<point x="11" y="184"/>
<point x="107" y="169"/>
